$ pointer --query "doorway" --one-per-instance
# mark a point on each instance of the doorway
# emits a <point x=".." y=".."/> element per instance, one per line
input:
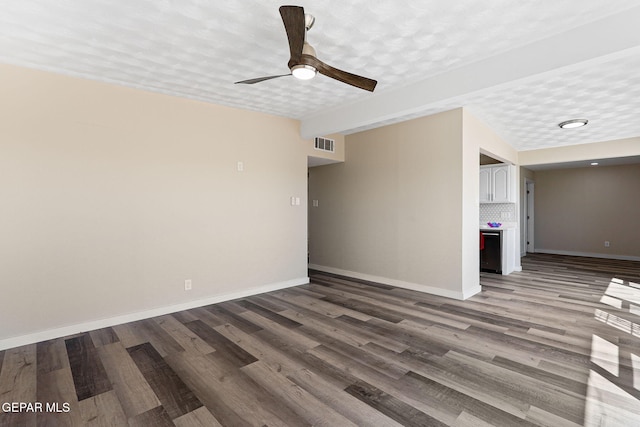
<point x="529" y="217"/>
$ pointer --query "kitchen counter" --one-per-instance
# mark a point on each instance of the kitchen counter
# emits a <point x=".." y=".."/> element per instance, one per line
<point x="504" y="226"/>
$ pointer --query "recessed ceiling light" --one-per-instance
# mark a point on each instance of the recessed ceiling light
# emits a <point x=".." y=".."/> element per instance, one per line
<point x="594" y="163"/>
<point x="575" y="123"/>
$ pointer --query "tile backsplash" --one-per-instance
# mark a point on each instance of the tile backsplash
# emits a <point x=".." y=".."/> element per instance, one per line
<point x="494" y="211"/>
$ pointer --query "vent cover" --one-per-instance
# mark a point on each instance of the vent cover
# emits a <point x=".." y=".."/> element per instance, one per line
<point x="324" y="144"/>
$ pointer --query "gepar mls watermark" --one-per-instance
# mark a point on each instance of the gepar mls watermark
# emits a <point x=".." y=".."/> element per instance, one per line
<point x="51" y="407"/>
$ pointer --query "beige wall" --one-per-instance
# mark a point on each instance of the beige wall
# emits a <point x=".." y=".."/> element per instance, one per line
<point x="394" y="211"/>
<point x="571" y="153"/>
<point x="404" y="207"/>
<point x="112" y="197"/>
<point x="576" y="210"/>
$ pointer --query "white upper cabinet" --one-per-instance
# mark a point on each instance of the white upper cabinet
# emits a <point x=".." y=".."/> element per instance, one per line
<point x="496" y="184"/>
<point x="485" y="185"/>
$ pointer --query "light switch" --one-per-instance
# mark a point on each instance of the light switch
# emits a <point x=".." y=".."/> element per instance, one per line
<point x="315" y="203"/>
<point x="240" y="166"/>
<point x="297" y="201"/>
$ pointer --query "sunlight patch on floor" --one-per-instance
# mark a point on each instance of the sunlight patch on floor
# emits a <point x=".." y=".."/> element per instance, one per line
<point x="609" y="405"/>
<point x="605" y="354"/>
<point x="609" y="400"/>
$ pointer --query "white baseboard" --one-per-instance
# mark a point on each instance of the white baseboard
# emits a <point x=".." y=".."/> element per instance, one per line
<point x="400" y="283"/>
<point x="588" y="254"/>
<point x="145" y="314"/>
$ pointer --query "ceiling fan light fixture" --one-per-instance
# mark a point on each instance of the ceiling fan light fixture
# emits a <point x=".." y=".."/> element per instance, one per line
<point x="303" y="72"/>
<point x="572" y="124"/>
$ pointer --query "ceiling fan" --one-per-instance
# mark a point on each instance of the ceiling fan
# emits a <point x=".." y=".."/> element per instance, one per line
<point x="303" y="62"/>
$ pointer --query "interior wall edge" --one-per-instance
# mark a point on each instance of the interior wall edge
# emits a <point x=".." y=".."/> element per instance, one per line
<point x="141" y="315"/>
<point x="465" y="294"/>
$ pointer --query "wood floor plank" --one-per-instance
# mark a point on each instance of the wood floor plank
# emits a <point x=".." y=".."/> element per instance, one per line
<point x="352" y="408"/>
<point x="128" y="335"/>
<point x="577" y="387"/>
<point x="134" y="392"/>
<point x="176" y="397"/>
<point x="537" y="416"/>
<point x="304" y="374"/>
<point x="103" y="336"/>
<point x="189" y="341"/>
<point x="275" y="356"/>
<point x="384" y="366"/>
<point x="315" y="412"/>
<point x="268" y="314"/>
<point x="395" y="337"/>
<point x="221" y="398"/>
<point x="272" y="304"/>
<point x="51" y="355"/>
<point x="103" y="410"/>
<point x="226" y="316"/>
<point x="391" y="406"/>
<point x="221" y="344"/>
<point x="362" y="307"/>
<point x="341" y="325"/>
<point x="316" y="364"/>
<point x="314" y="326"/>
<point x="89" y="376"/>
<point x="455" y="403"/>
<point x="18" y="384"/>
<point x="232" y="397"/>
<point x="201" y="417"/>
<point x="292" y="336"/>
<point x="324" y="308"/>
<point x="185" y="316"/>
<point x="57" y="393"/>
<point x="466" y="419"/>
<point x="160" y="339"/>
<point x="156" y="417"/>
<point x="508" y="384"/>
<point x="402" y="308"/>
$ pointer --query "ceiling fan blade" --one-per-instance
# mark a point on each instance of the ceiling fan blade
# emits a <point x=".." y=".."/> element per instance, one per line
<point x="334" y="73"/>
<point x="293" y="19"/>
<point x="260" y="79"/>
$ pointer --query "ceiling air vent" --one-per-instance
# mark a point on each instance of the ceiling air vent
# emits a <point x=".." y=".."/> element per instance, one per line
<point x="324" y="144"/>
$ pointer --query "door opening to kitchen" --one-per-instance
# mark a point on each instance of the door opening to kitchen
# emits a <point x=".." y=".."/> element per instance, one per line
<point x="529" y="216"/>
<point x="498" y="197"/>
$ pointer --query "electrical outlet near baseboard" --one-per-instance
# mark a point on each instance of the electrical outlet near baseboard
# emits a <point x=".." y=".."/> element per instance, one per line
<point x="607" y="244"/>
<point x="187" y="285"/>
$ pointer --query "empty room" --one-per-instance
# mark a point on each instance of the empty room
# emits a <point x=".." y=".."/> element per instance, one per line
<point x="389" y="213"/>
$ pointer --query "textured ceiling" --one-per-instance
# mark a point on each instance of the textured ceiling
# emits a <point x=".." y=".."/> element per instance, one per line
<point x="197" y="49"/>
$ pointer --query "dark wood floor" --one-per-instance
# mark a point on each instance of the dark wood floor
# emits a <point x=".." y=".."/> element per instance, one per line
<point x="555" y="345"/>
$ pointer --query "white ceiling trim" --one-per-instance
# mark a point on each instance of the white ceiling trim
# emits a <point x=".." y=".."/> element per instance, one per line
<point x="599" y="41"/>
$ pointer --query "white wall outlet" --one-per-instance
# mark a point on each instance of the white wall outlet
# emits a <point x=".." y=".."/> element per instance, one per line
<point x="505" y="215"/>
<point x="607" y="244"/>
<point x="315" y="203"/>
<point x="187" y="285"/>
<point x="240" y="166"/>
